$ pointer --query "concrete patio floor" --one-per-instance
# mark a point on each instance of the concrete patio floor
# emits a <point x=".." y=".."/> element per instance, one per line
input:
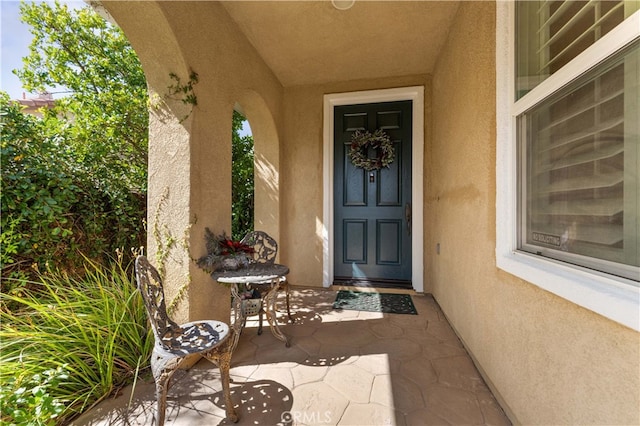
<point x="343" y="368"/>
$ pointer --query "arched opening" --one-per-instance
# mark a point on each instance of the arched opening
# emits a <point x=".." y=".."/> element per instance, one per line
<point x="242" y="179"/>
<point x="266" y="157"/>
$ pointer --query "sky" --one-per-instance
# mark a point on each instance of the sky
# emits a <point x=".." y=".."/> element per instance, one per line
<point x="14" y="45"/>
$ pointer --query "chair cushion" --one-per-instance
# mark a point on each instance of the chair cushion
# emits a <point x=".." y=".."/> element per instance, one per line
<point x="195" y="337"/>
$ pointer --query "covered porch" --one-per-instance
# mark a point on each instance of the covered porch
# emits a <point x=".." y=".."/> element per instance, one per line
<point x="286" y="66"/>
<point x="344" y="367"/>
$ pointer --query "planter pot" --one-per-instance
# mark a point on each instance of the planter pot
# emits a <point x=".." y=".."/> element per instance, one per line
<point x="232" y="263"/>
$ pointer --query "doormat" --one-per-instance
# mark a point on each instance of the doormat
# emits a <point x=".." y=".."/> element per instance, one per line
<point x="375" y="302"/>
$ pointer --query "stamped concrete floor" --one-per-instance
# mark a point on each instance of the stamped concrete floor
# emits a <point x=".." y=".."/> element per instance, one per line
<point x="343" y="368"/>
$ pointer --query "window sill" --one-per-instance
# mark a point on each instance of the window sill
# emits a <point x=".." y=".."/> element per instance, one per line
<point x="615" y="298"/>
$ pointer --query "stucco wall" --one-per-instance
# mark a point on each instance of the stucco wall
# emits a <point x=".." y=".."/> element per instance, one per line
<point x="302" y="179"/>
<point x="548" y="360"/>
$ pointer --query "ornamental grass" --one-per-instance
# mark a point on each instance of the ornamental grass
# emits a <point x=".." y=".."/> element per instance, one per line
<point x="67" y="343"/>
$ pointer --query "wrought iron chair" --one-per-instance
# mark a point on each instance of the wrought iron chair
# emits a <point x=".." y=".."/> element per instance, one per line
<point x="265" y="250"/>
<point x="214" y="340"/>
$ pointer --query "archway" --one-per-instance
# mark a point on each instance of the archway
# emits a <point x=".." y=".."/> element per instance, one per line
<point x="266" y="162"/>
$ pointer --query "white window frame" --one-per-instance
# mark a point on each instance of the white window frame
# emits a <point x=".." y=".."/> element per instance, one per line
<point x="613" y="297"/>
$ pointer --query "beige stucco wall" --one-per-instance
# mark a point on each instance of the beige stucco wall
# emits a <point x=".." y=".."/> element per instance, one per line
<point x="190" y="160"/>
<point x="550" y="361"/>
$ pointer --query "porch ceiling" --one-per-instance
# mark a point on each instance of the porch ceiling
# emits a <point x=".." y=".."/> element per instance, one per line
<point x="311" y="42"/>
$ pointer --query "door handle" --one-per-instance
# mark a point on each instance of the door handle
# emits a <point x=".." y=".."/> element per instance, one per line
<point x="407" y="217"/>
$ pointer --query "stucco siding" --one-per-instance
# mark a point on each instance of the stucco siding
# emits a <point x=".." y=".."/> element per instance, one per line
<point x="548" y="360"/>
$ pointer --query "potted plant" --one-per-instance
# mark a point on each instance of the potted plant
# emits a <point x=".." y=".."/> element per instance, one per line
<point x="223" y="253"/>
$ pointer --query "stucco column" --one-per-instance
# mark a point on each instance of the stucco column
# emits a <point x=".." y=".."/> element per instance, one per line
<point x="168" y="206"/>
<point x="174" y="235"/>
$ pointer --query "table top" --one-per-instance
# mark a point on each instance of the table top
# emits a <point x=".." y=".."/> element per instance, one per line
<point x="253" y="273"/>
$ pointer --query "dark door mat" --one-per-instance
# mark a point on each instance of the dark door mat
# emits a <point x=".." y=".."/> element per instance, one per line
<point x="375" y="302"/>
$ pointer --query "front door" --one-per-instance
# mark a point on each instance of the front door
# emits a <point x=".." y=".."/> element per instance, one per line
<point x="372" y="208"/>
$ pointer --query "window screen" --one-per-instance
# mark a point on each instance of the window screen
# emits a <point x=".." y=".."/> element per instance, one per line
<point x="579" y="146"/>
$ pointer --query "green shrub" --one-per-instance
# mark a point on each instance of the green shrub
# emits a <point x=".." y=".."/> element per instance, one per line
<point x="26" y="400"/>
<point x="54" y="206"/>
<point x="69" y="342"/>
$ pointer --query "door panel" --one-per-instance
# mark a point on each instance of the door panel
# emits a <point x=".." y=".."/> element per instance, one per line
<point x="355" y="186"/>
<point x="390" y="185"/>
<point x="355" y="241"/>
<point x="389" y="232"/>
<point x="372" y="238"/>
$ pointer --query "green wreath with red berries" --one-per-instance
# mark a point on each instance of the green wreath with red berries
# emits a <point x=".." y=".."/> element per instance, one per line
<point x="361" y="142"/>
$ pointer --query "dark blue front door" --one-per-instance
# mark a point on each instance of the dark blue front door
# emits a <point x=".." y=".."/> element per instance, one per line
<point x="372" y="209"/>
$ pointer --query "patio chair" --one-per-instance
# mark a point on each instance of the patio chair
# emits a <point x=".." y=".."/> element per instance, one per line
<point x="173" y="343"/>
<point x="265" y="250"/>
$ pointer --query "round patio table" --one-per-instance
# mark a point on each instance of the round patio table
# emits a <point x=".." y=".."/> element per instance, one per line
<point x="269" y="275"/>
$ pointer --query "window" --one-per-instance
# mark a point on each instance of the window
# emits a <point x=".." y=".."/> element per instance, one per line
<point x="568" y="96"/>
<point x="576" y="203"/>
<point x="549" y="34"/>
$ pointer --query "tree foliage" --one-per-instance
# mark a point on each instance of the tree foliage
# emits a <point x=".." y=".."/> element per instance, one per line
<point x="53" y="207"/>
<point x="75" y="181"/>
<point x="106" y="118"/>
<point x="242" y="180"/>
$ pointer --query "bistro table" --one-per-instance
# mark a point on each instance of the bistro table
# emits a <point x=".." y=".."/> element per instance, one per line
<point x="269" y="275"/>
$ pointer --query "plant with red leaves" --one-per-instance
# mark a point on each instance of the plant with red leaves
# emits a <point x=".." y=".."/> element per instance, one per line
<point x="230" y="247"/>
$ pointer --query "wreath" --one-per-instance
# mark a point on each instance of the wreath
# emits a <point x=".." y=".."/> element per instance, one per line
<point x="361" y="142"/>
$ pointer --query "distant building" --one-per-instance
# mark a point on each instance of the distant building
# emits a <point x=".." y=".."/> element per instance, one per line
<point x="34" y="106"/>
